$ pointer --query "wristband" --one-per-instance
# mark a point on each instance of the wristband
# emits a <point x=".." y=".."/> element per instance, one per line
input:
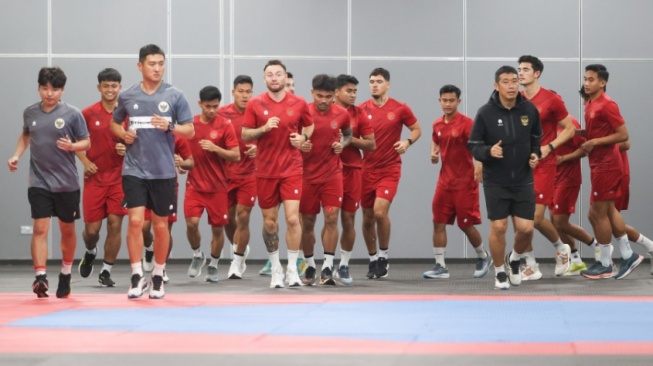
<point x="551" y="146"/>
<point x="410" y="142"/>
<point x="171" y="126"/>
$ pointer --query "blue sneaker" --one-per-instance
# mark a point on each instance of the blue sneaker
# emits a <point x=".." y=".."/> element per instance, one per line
<point x="343" y="275"/>
<point x="483" y="266"/>
<point x="598" y="271"/>
<point x="436" y="272"/>
<point x="628" y="265"/>
<point x="266" y="270"/>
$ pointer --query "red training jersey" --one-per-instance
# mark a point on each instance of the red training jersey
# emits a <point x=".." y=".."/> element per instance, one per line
<point x="457" y="171"/>
<point x="360" y="126"/>
<point x="209" y="173"/>
<point x="568" y="173"/>
<point x="387" y="122"/>
<point x="103" y="147"/>
<point x="321" y="163"/>
<point x="602" y="118"/>
<point x="276" y="157"/>
<point x="245" y="167"/>
<point x="552" y="110"/>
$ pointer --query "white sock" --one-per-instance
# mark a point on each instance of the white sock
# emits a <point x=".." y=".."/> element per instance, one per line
<point x="274" y="260"/>
<point x="66" y="267"/>
<point x="624" y="247"/>
<point x="514" y="256"/>
<point x="92" y="251"/>
<point x="158" y="269"/>
<point x="292" y="258"/>
<point x="530" y="258"/>
<point x="557" y="245"/>
<point x="328" y="261"/>
<point x="214" y="262"/>
<point x="301" y="254"/>
<point x="606" y="251"/>
<point x="373" y="257"/>
<point x="106" y="267"/>
<point x="344" y="258"/>
<point x="498" y="270"/>
<point x="234" y="248"/>
<point x="480" y="251"/>
<point x="150" y="248"/>
<point x="197" y="252"/>
<point x="646" y="242"/>
<point x="310" y="261"/>
<point x="383" y="253"/>
<point x="575" y="257"/>
<point x="137" y="268"/>
<point x="439" y="256"/>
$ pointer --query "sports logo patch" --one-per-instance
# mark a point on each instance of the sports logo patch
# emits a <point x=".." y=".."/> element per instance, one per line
<point x="59" y="123"/>
<point x="391" y="116"/>
<point x="524" y="120"/>
<point x="135" y="106"/>
<point x="334" y="125"/>
<point x="290" y="112"/>
<point x="454" y="133"/>
<point x="213" y="134"/>
<point x="164" y="107"/>
<point x="592" y="114"/>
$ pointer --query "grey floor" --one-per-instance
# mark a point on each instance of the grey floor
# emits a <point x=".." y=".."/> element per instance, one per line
<point x="405" y="278"/>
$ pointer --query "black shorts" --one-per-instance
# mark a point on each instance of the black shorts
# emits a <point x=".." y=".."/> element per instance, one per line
<point x="64" y="205"/>
<point x="502" y="202"/>
<point x="156" y="194"/>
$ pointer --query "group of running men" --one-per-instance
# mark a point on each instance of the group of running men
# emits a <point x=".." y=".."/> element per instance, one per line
<point x="307" y="156"/>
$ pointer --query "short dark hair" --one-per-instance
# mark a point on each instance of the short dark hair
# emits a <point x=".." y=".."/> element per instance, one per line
<point x="601" y="70"/>
<point x="535" y="62"/>
<point x="582" y="93"/>
<point x="274" y="63"/>
<point x="324" y="82"/>
<point x="150" y="49"/>
<point x="109" y="74"/>
<point x="505" y="69"/>
<point x="381" y="71"/>
<point x="53" y="76"/>
<point x="344" y="79"/>
<point x="290" y="75"/>
<point x="209" y="93"/>
<point x="450" y="89"/>
<point x="243" y="79"/>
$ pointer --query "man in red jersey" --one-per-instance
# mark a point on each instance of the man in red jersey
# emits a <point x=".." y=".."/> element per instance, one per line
<point x="183" y="162"/>
<point x="567" y="186"/>
<point x="322" y="180"/>
<point x="281" y="123"/>
<point x="382" y="167"/>
<point x="214" y="143"/>
<point x="102" y="180"/>
<point x="605" y="130"/>
<point x="241" y="178"/>
<point x="553" y="113"/>
<point x="456" y="194"/>
<point x="352" y="161"/>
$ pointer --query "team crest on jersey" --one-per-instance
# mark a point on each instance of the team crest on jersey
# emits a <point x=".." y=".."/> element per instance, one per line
<point x="290" y="112"/>
<point x="334" y="125"/>
<point x="214" y="134"/>
<point x="391" y="116"/>
<point x="59" y="123"/>
<point x="592" y="114"/>
<point x="164" y="107"/>
<point x="135" y="106"/>
<point x="454" y="133"/>
<point x="524" y="120"/>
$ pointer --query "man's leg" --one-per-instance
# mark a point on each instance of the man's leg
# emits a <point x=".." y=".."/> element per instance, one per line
<point x="195" y="239"/>
<point x="439" y="270"/>
<point x="111" y="248"/>
<point x="483" y="259"/>
<point x="382" y="220"/>
<point x="329" y="244"/>
<point x="217" y="243"/>
<point x="293" y="240"/>
<point x="546" y="228"/>
<point x="497" y="240"/>
<point x="308" y="245"/>
<point x="68" y="245"/>
<point x="39" y="249"/>
<point x="630" y="259"/>
<point x="271" y="240"/>
<point x="600" y="220"/>
<point x="91" y="236"/>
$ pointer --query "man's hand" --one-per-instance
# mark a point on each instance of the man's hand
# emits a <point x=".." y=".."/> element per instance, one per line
<point x="90" y="168"/>
<point x="207" y="145"/>
<point x="12" y="163"/>
<point x="65" y="144"/>
<point x="588" y="146"/>
<point x="129" y="136"/>
<point x="160" y="123"/>
<point x="546" y="150"/>
<point x="178" y="160"/>
<point x="478" y="172"/>
<point x="121" y="149"/>
<point x="533" y="160"/>
<point x="251" y="150"/>
<point x="497" y="151"/>
<point x="273" y="122"/>
<point x="337" y="147"/>
<point x="401" y="146"/>
<point x="435" y="156"/>
<point x="306" y="146"/>
<point x="296" y="140"/>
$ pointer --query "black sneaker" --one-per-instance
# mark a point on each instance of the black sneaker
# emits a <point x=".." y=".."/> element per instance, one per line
<point x="63" y="290"/>
<point x="86" y="265"/>
<point x="157" y="291"/>
<point x="105" y="279"/>
<point x="382" y="268"/>
<point x="371" y="272"/>
<point x="40" y="286"/>
<point x="326" y="277"/>
<point x="309" y="276"/>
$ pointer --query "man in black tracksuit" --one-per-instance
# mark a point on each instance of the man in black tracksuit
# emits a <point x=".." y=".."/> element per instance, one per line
<point x="506" y="139"/>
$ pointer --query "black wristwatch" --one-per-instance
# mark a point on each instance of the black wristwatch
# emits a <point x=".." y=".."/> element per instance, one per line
<point x="171" y="126"/>
<point x="551" y="146"/>
<point x="410" y="142"/>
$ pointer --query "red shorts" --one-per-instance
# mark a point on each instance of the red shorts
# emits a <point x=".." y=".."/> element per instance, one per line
<point x="272" y="191"/>
<point x="606" y="186"/>
<point x="100" y="201"/>
<point x="215" y="204"/>
<point x="621" y="203"/>
<point x="379" y="185"/>
<point x="326" y="194"/>
<point x="242" y="192"/>
<point x="351" y="192"/>
<point x="462" y="204"/>
<point x="564" y="200"/>
<point x="544" y="178"/>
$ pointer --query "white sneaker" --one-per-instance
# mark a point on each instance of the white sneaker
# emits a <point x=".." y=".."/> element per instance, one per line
<point x="243" y="266"/>
<point x="292" y="277"/>
<point x="514" y="273"/>
<point x="166" y="279"/>
<point x="529" y="273"/>
<point x="235" y="272"/>
<point x="211" y="274"/>
<point x="501" y="281"/>
<point x="148" y="261"/>
<point x="562" y="260"/>
<point x="276" y="278"/>
<point x="138" y="286"/>
<point x="157" y="291"/>
<point x="196" y="265"/>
